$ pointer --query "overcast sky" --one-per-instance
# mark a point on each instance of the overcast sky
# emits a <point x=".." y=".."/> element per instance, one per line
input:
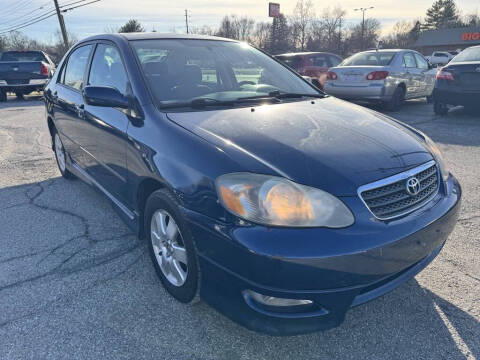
<point x="164" y="16"/>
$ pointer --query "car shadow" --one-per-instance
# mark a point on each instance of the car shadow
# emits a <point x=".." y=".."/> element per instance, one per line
<point x="27" y="101"/>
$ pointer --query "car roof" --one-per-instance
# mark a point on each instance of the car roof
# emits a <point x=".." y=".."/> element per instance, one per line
<point x="307" y="53"/>
<point x="154" y="35"/>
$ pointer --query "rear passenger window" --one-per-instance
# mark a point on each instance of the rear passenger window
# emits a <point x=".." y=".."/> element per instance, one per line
<point x="75" y="68"/>
<point x="107" y="68"/>
<point x="409" y="60"/>
<point x="334" y="61"/>
<point x="421" y="62"/>
<point x="320" y="61"/>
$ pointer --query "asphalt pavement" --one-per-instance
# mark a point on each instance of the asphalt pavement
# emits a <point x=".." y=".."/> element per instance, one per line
<point x="75" y="283"/>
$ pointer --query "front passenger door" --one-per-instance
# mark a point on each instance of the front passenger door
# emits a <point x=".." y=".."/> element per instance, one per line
<point x="107" y="127"/>
<point x="427" y="77"/>
<point x="410" y="75"/>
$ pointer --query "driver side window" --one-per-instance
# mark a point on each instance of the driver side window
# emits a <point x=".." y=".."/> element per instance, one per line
<point x="107" y="68"/>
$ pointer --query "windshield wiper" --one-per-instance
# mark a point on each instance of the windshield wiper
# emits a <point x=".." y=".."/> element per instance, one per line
<point x="286" y="95"/>
<point x="280" y="95"/>
<point x="197" y="103"/>
<point x="275" y="96"/>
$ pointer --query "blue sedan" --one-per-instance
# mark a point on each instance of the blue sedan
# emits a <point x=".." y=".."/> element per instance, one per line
<point x="276" y="204"/>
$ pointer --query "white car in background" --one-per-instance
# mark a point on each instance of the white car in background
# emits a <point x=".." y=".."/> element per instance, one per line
<point x="382" y="76"/>
<point x="440" y="57"/>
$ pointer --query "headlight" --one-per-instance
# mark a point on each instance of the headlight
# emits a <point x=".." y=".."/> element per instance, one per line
<point x="438" y="157"/>
<point x="271" y="200"/>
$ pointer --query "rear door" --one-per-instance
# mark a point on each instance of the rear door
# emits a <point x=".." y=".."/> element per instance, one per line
<point x="105" y="128"/>
<point x="68" y="101"/>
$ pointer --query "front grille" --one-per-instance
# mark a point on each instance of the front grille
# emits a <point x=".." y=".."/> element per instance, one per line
<point x="388" y="198"/>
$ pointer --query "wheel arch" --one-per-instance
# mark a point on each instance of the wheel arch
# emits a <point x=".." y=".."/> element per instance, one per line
<point x="145" y="188"/>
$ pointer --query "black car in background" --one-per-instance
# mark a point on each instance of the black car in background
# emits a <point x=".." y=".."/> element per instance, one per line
<point x="458" y="83"/>
<point x="23" y="72"/>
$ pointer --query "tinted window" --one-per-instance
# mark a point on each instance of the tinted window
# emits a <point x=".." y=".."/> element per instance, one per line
<point x="409" y="60"/>
<point x="469" y="54"/>
<point x="184" y="69"/>
<point x="441" y="55"/>
<point x="319" y="60"/>
<point x="376" y="58"/>
<point x="421" y="62"/>
<point x="23" y="56"/>
<point x="75" y="68"/>
<point x="293" y="61"/>
<point x="107" y="68"/>
<point x="334" y="61"/>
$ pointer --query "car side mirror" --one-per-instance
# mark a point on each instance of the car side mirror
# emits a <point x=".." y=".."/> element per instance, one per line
<point x="105" y="96"/>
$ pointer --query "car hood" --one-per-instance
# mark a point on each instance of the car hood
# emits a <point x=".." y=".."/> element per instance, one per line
<point x="327" y="143"/>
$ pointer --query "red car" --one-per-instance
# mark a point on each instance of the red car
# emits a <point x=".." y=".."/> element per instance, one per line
<point x="312" y="64"/>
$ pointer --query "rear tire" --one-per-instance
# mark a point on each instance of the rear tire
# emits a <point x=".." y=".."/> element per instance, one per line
<point x="61" y="156"/>
<point x="3" y="96"/>
<point x="440" y="108"/>
<point x="430" y="99"/>
<point x="395" y="103"/>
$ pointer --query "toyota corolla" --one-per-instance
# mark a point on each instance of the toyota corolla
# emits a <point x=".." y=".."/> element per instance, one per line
<point x="276" y="204"/>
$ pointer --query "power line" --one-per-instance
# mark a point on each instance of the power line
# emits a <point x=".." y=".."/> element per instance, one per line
<point x="24" y="14"/>
<point x="14" y="27"/>
<point x="46" y="16"/>
<point x="16" y="6"/>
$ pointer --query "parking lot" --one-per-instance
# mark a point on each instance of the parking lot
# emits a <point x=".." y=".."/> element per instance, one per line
<point x="76" y="283"/>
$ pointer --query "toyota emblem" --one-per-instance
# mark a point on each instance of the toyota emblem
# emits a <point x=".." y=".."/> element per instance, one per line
<point x="413" y="186"/>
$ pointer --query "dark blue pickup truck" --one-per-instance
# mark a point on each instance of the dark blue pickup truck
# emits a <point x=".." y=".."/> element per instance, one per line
<point x="23" y="72"/>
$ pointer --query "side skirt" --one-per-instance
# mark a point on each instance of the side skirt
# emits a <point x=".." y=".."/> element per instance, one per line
<point x="130" y="218"/>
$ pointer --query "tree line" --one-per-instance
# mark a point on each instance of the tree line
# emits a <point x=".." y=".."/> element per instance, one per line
<point x="306" y="29"/>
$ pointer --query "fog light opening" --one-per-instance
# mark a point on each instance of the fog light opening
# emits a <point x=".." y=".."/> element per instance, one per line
<point x="275" y="301"/>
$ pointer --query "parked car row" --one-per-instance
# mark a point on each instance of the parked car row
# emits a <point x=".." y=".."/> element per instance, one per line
<point x="23" y="72"/>
<point x="391" y="76"/>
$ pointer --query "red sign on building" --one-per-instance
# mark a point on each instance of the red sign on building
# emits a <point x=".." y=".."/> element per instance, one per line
<point x="273" y="9"/>
<point x="471" y="36"/>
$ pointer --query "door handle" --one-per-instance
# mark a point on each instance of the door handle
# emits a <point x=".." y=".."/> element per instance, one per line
<point x="80" y="110"/>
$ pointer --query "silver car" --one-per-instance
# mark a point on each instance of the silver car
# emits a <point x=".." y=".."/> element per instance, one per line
<point x="386" y="76"/>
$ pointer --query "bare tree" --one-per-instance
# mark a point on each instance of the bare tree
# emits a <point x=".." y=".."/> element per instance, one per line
<point x="204" y="30"/>
<point x="371" y="34"/>
<point x="301" y="20"/>
<point x="400" y="36"/>
<point x="261" y="35"/>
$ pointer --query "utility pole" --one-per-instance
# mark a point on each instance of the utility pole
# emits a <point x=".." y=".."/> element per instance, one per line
<point x="186" y="19"/>
<point x="363" y="23"/>
<point x="62" y="24"/>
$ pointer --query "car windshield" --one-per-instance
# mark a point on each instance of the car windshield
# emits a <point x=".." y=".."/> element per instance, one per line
<point x="469" y="54"/>
<point x="369" y="59"/>
<point x="22" y="56"/>
<point x="180" y="70"/>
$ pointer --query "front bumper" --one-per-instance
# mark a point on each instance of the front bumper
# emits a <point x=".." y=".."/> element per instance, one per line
<point x="334" y="268"/>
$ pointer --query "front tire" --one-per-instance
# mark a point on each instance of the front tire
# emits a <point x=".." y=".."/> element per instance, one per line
<point x="171" y="246"/>
<point x="440" y="108"/>
<point x="3" y="96"/>
<point x="430" y="99"/>
<point x="61" y="156"/>
<point x="20" y="96"/>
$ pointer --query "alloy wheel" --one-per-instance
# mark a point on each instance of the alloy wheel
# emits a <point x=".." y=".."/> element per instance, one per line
<point x="169" y="248"/>
<point x="60" y="153"/>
